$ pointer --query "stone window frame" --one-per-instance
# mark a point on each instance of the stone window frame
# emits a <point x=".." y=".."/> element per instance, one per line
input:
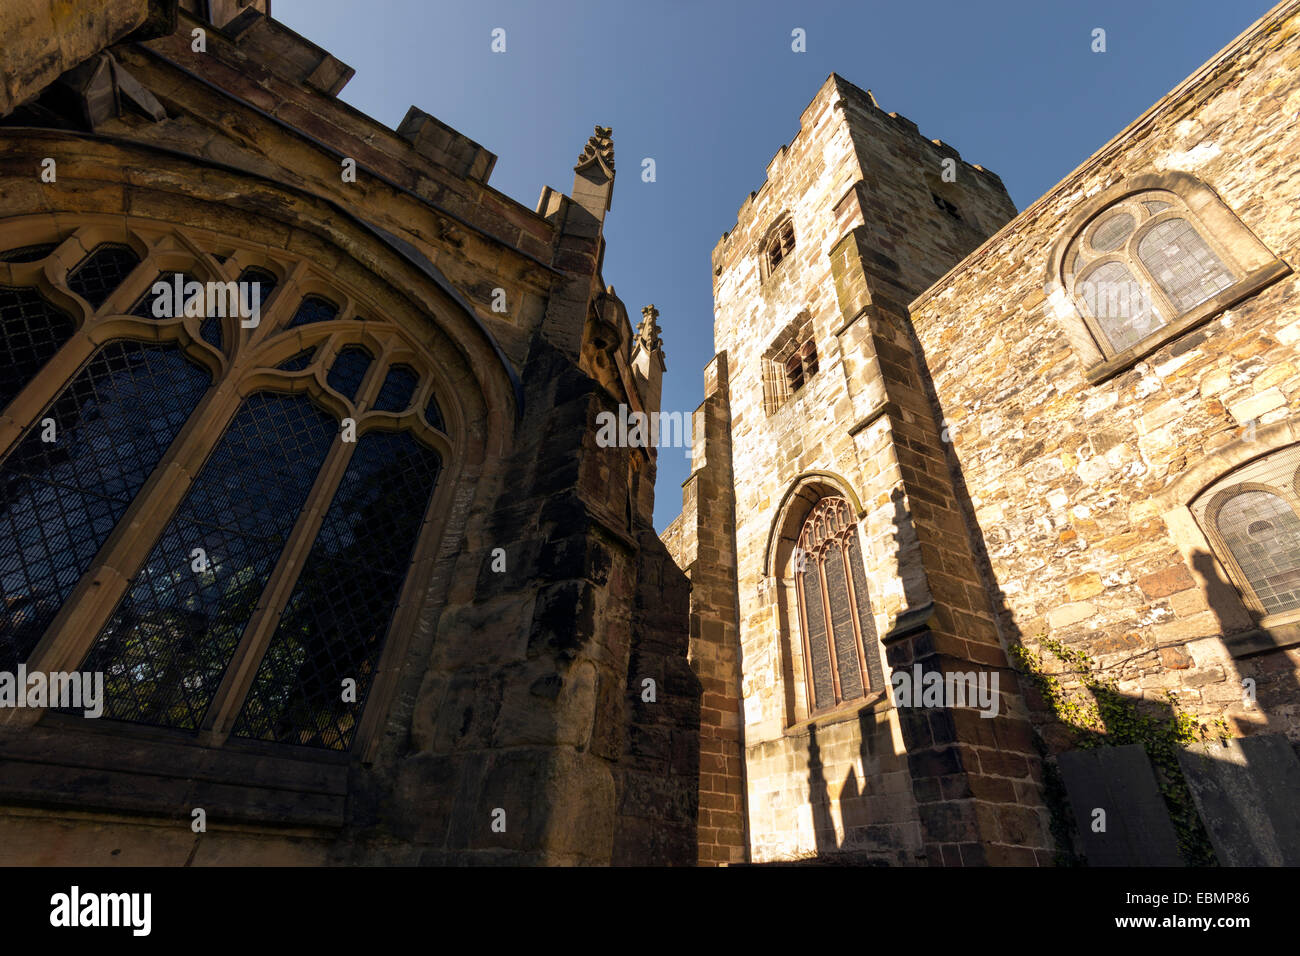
<point x="1244" y="632"/>
<point x="1253" y="265"/>
<point x="789" y="363"/>
<point x="777" y="246"/>
<point x="244" y="365"/>
<point x="779" y="561"/>
<point x="1289" y="493"/>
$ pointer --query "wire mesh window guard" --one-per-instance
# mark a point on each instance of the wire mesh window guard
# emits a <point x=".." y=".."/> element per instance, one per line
<point x="333" y="627"/>
<point x="167" y="645"/>
<point x="31" y="331"/>
<point x="1140" y="265"/>
<point x="1251" y="518"/>
<point x="60" y="499"/>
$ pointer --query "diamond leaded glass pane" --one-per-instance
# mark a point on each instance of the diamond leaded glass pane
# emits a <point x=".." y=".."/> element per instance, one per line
<point x="1120" y="304"/>
<point x="1263" y="533"/>
<point x="296" y="363"/>
<point x="314" y="309"/>
<point x="348" y="370"/>
<point x="60" y="499"/>
<point x="866" y="619"/>
<point x="168" y="643"/>
<point x="1185" y="267"/>
<point x="31" y="331"/>
<point x="29" y="253"/>
<point x="399" y="385"/>
<point x="334" y="624"/>
<point x="97" y="275"/>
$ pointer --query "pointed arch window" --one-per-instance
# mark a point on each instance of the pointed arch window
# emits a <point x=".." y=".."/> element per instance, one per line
<point x="841" y="660"/>
<point x="247" y="546"/>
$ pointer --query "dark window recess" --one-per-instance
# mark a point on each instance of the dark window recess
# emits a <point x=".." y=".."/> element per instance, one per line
<point x="801" y="366"/>
<point x="334" y="625"/>
<point x="946" y="206"/>
<point x="399" y="385"/>
<point x="780" y="246"/>
<point x="97" y="275"/>
<point x="433" y="414"/>
<point x="31" y="332"/>
<point x="296" y="363"/>
<point x="29" y="253"/>
<point x="168" y="643"/>
<point x="314" y="309"/>
<point x="348" y="370"/>
<point x="59" y="500"/>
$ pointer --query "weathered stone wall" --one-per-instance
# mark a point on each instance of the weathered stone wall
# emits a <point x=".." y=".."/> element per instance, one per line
<point x="516" y="689"/>
<point x="1081" y="486"/>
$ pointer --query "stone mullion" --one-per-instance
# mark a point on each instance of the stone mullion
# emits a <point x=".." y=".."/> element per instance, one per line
<point x="238" y="678"/>
<point x="91" y="603"/>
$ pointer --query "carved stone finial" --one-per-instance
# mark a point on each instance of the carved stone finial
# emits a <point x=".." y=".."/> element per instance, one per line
<point x="599" y="148"/>
<point x="647" y="333"/>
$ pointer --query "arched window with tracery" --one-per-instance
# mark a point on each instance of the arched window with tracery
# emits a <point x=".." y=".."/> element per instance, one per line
<point x="1251" y="518"/>
<point x="1149" y="259"/>
<point x="841" y="662"/>
<point x="257" y="484"/>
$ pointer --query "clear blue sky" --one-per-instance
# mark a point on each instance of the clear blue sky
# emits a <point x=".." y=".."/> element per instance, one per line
<point x="711" y="90"/>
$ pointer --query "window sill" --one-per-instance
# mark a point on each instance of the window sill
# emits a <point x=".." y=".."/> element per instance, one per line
<point x="131" y="770"/>
<point x="876" y="701"/>
<point x="1203" y="313"/>
<point x="1275" y="633"/>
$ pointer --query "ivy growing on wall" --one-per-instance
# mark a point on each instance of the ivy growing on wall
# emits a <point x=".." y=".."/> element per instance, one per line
<point x="1102" y="716"/>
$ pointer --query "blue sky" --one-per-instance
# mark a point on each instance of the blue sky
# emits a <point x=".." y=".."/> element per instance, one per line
<point x="711" y="90"/>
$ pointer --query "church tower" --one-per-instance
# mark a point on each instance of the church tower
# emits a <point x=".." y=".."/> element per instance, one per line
<point x="824" y="526"/>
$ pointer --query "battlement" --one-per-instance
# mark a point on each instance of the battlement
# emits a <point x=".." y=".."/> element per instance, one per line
<point x="841" y="92"/>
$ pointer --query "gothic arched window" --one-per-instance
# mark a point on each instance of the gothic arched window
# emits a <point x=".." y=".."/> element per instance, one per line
<point x="835" y="616"/>
<point x="1149" y="259"/>
<point x="1141" y="264"/>
<point x="230" y="557"/>
<point x="1252" y="521"/>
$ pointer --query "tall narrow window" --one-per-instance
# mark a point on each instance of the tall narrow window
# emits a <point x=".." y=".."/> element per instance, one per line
<point x="779" y="246"/>
<point x="333" y="627"/>
<point x="841" y="660"/>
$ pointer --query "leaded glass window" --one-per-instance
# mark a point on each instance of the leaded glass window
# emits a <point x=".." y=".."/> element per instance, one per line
<point x="841" y="659"/>
<point x="333" y="627"/>
<point x="168" y="643"/>
<point x="1252" y="520"/>
<point x="32" y="330"/>
<point x="1140" y="265"/>
<point x="288" y="549"/>
<point x="61" y="498"/>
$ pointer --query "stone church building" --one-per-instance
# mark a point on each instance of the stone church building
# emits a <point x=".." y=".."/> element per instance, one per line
<point x="935" y="428"/>
<point x="310" y="553"/>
